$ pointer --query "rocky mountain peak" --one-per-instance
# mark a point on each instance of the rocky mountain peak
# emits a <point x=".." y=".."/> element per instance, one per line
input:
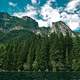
<point x="61" y="27"/>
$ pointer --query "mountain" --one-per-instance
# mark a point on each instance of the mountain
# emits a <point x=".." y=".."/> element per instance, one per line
<point x="16" y="35"/>
<point x="26" y="47"/>
<point x="61" y="27"/>
<point x="43" y="31"/>
<point x="9" y="23"/>
<point x="11" y="27"/>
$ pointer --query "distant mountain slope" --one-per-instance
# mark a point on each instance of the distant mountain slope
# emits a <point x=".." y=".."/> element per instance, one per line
<point x="8" y="23"/>
<point x="15" y="34"/>
<point x="26" y="47"/>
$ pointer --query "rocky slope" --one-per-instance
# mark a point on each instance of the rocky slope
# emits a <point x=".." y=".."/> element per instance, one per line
<point x="11" y="25"/>
<point x="61" y="27"/>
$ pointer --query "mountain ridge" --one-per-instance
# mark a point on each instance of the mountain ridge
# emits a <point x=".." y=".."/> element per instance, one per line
<point x="9" y="23"/>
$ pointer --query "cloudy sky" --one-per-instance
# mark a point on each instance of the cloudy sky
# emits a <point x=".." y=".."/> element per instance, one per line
<point x="45" y="11"/>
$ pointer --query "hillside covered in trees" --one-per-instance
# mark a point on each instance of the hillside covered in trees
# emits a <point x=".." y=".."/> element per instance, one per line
<point x="37" y="53"/>
<point x="26" y="47"/>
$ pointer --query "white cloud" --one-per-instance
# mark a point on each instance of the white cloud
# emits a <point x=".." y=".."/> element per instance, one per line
<point x="42" y="23"/>
<point x="72" y="20"/>
<point x="12" y="4"/>
<point x="73" y="25"/>
<point x="49" y="14"/>
<point x="35" y="1"/>
<point x="71" y="7"/>
<point x="29" y="11"/>
<point x="49" y="2"/>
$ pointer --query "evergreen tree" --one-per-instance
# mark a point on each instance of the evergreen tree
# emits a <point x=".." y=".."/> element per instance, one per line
<point x="76" y="54"/>
<point x="68" y="47"/>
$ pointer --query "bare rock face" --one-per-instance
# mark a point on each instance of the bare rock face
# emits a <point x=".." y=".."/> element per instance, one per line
<point x="61" y="27"/>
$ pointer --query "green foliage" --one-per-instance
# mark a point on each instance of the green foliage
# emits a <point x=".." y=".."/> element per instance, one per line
<point x="8" y="23"/>
<point x="24" y="51"/>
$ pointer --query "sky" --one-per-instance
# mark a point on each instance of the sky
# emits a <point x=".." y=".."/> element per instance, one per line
<point x="45" y="11"/>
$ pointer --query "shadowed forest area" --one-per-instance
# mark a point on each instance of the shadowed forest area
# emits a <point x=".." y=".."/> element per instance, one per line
<point x="37" y="53"/>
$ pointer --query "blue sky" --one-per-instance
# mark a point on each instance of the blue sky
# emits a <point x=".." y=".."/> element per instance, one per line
<point x="45" y="11"/>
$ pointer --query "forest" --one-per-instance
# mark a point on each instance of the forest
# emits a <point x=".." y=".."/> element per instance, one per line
<point x="24" y="46"/>
<point x="32" y="52"/>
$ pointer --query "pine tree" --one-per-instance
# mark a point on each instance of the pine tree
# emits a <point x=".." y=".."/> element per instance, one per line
<point x="76" y="54"/>
<point x="68" y="47"/>
<point x="54" y="50"/>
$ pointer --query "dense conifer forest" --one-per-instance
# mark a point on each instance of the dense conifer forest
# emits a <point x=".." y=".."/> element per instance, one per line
<point x="37" y="53"/>
<point x="24" y="46"/>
